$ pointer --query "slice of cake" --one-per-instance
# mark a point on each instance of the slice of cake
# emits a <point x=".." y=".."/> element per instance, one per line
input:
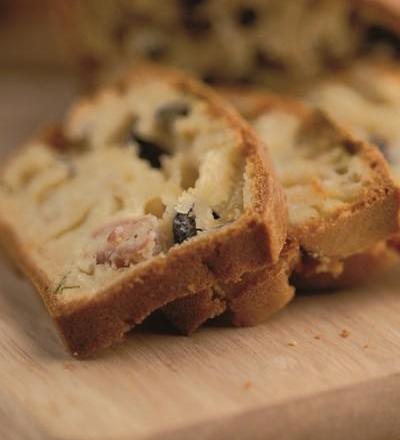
<point x="151" y="190"/>
<point x="366" y="100"/>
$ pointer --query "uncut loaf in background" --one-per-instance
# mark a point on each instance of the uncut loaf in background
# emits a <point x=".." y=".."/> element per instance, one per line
<point x="277" y="43"/>
<point x="152" y="189"/>
<point x="342" y="203"/>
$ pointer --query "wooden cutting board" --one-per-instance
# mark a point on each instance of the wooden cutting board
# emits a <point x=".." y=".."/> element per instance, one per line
<point x="327" y="367"/>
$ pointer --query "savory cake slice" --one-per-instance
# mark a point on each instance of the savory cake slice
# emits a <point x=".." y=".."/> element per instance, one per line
<point x="335" y="183"/>
<point x="366" y="100"/>
<point x="342" y="203"/>
<point x="151" y="190"/>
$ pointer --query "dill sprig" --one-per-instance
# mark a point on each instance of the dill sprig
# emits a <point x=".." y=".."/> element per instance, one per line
<point x="62" y="286"/>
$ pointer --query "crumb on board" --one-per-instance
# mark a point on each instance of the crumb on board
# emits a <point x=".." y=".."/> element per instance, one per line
<point x="248" y="384"/>
<point x="292" y="343"/>
<point x="344" y="333"/>
<point x="69" y="366"/>
<point x="365" y="346"/>
<point x="318" y="337"/>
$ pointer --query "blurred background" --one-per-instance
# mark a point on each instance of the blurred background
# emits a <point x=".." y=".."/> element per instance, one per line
<point x="36" y="81"/>
<point x="28" y="36"/>
<point x="51" y="49"/>
<point x="247" y="41"/>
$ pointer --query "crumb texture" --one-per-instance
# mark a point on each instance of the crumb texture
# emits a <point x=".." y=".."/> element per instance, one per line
<point x="132" y="174"/>
<point x="317" y="169"/>
<point x="366" y="99"/>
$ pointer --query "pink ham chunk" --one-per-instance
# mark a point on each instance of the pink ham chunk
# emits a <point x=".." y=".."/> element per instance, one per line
<point x="127" y="241"/>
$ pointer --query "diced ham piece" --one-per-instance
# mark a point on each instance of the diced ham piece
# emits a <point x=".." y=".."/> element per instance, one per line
<point x="127" y="241"/>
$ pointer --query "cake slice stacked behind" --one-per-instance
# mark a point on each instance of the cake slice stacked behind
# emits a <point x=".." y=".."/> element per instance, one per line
<point x="342" y="203"/>
<point x="366" y="100"/>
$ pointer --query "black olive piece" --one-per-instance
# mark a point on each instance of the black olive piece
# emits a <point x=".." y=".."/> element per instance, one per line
<point x="184" y="226"/>
<point x="382" y="145"/>
<point x="246" y="17"/>
<point x="167" y="114"/>
<point x="148" y="150"/>
<point x="215" y="215"/>
<point x="379" y="35"/>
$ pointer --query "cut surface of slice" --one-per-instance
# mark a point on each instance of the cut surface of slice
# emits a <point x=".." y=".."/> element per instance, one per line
<point x="152" y="189"/>
<point x="366" y="100"/>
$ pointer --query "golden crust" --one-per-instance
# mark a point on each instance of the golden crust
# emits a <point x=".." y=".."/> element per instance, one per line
<point x="249" y="243"/>
<point x="248" y="302"/>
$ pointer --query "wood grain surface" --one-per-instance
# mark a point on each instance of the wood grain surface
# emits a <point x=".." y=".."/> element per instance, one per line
<point x="327" y="367"/>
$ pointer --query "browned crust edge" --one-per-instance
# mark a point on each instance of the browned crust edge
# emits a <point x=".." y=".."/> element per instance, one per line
<point x="357" y="269"/>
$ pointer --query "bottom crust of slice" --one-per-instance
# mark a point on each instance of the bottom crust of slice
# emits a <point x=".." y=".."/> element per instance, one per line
<point x="354" y="270"/>
<point x="248" y="302"/>
<point x="258" y="295"/>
